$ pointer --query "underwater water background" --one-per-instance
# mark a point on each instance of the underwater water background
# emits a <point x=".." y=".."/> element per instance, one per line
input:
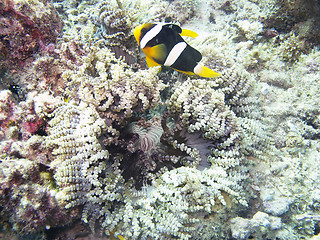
<point x="96" y="145"/>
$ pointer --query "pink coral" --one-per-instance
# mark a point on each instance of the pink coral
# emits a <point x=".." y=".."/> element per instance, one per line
<point x="23" y="34"/>
<point x="33" y="126"/>
<point x="6" y="106"/>
<point x="18" y="124"/>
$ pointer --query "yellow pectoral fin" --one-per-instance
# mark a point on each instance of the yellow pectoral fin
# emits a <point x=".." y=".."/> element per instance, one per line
<point x="189" y="33"/>
<point x="158" y="52"/>
<point x="151" y="62"/>
<point x="203" y="71"/>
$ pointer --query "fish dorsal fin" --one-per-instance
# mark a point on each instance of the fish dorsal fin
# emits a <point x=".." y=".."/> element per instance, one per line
<point x="189" y="33"/>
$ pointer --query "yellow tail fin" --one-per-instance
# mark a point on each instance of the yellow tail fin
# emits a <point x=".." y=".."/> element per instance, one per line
<point x="203" y="71"/>
<point x="189" y="33"/>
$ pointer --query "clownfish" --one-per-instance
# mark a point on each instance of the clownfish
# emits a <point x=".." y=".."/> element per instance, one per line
<point x="163" y="46"/>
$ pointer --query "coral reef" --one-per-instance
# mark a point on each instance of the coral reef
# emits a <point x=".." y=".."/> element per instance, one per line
<point x="89" y="134"/>
<point x="100" y="161"/>
<point x="116" y="27"/>
<point x="284" y="15"/>
<point x="24" y="122"/>
<point x="25" y="29"/>
<point x="113" y="87"/>
<point x="27" y="186"/>
<point x="198" y="109"/>
<point x="292" y="48"/>
<point x="89" y="175"/>
<point x="175" y="11"/>
<point x="24" y="191"/>
<point x="260" y="226"/>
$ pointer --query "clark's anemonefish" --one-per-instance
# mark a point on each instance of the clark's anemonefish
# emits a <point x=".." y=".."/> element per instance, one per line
<point x="163" y="46"/>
